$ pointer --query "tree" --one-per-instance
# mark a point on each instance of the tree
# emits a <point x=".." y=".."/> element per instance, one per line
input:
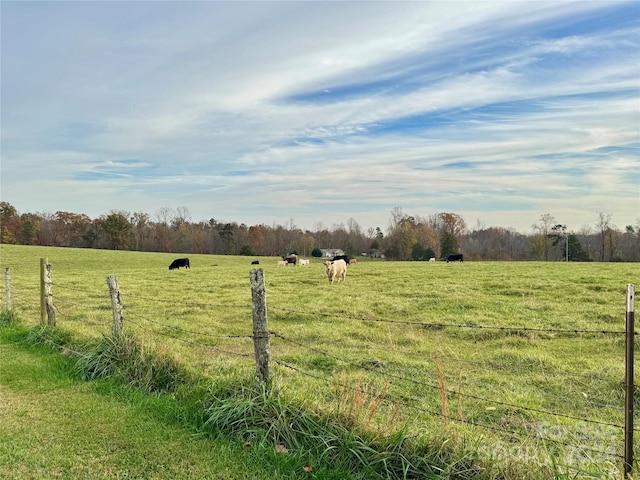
<point x="448" y="245"/>
<point x="540" y="244"/>
<point x="451" y="226"/>
<point x="226" y="235"/>
<point x="117" y="228"/>
<point x="29" y="227"/>
<point x="559" y="233"/>
<point x="316" y="253"/>
<point x="70" y="228"/>
<point x="8" y="217"/>
<point x="402" y="236"/>
<point x="603" y="228"/>
<point x="576" y="253"/>
<point x="140" y="227"/>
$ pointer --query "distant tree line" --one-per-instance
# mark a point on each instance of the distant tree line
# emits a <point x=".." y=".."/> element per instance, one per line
<point x="407" y="237"/>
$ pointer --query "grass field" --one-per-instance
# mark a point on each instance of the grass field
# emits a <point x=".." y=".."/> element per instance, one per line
<point x="506" y="361"/>
<point x="56" y="426"/>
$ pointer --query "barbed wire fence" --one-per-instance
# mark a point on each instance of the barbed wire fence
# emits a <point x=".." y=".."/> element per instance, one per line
<point x="261" y="339"/>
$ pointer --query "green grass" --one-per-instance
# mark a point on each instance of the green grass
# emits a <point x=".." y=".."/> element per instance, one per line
<point x="361" y="354"/>
<point x="56" y="426"/>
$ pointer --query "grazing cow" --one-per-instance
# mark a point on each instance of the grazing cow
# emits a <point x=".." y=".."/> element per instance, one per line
<point x="303" y="262"/>
<point x="282" y="263"/>
<point x="353" y="261"/>
<point x="291" y="259"/>
<point x="432" y="259"/>
<point x="336" y="270"/>
<point x="179" y="262"/>
<point x="341" y="257"/>
<point x="255" y="262"/>
<point x="456" y="257"/>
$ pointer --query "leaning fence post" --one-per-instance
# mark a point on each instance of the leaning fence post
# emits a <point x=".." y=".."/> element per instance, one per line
<point x="7" y="286"/>
<point x="116" y="307"/>
<point x="629" y="385"/>
<point x="48" y="296"/>
<point x="260" y="328"/>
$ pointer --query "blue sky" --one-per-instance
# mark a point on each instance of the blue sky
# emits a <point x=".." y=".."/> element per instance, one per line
<point x="321" y="112"/>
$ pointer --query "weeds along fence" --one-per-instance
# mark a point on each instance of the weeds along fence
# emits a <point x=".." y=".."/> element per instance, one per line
<point x="381" y="384"/>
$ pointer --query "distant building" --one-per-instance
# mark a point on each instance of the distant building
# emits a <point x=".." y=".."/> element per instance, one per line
<point x="331" y="252"/>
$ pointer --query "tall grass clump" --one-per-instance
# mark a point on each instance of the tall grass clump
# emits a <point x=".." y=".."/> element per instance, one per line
<point x="259" y="417"/>
<point x="8" y="318"/>
<point x="124" y="357"/>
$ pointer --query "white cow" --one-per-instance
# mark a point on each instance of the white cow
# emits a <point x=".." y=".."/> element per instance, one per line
<point x="432" y="259"/>
<point x="303" y="262"/>
<point x="282" y="263"/>
<point x="336" y="270"/>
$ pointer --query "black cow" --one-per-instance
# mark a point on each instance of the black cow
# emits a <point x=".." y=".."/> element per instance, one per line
<point x="456" y="257"/>
<point x="179" y="262"/>
<point x="255" y="262"/>
<point x="341" y="257"/>
<point x="291" y="259"/>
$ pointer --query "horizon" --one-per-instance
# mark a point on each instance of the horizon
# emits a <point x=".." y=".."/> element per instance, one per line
<point x="322" y="112"/>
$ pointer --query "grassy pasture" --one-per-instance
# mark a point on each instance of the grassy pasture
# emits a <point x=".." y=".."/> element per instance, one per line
<point x="360" y="350"/>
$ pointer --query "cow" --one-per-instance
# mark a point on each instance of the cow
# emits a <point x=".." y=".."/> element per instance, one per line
<point x="282" y="263"/>
<point x="291" y="259"/>
<point x="336" y="270"/>
<point x="432" y="259"/>
<point x="456" y="257"/>
<point x="341" y="257"/>
<point x="303" y="262"/>
<point x="353" y="261"/>
<point x="179" y="262"/>
<point x="255" y="262"/>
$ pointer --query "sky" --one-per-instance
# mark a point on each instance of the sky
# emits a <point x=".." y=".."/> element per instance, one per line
<point x="315" y="114"/>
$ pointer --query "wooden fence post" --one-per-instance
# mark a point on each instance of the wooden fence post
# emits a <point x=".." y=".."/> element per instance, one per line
<point x="116" y="307"/>
<point x="260" y="328"/>
<point x="629" y="385"/>
<point x="43" y="312"/>
<point x="48" y="297"/>
<point x="7" y="285"/>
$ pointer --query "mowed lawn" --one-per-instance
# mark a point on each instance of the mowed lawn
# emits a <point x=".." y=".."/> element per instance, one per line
<point x="56" y="427"/>
<point x="522" y="351"/>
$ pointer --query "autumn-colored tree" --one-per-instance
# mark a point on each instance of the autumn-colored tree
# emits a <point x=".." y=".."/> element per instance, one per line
<point x="408" y="237"/>
<point x="451" y="226"/>
<point x="8" y="222"/>
<point x="70" y="228"/>
<point x="256" y="237"/>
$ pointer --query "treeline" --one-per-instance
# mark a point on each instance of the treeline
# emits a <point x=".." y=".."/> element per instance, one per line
<point x="407" y="237"/>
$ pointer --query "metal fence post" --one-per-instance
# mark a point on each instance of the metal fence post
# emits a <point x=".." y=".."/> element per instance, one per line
<point x="629" y="385"/>
<point x="260" y="328"/>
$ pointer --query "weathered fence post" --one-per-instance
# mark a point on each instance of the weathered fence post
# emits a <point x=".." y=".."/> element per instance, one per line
<point x="116" y="307"/>
<point x="260" y="328"/>
<point x="7" y="286"/>
<point x="48" y="297"/>
<point x="629" y="385"/>
<point x="43" y="313"/>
